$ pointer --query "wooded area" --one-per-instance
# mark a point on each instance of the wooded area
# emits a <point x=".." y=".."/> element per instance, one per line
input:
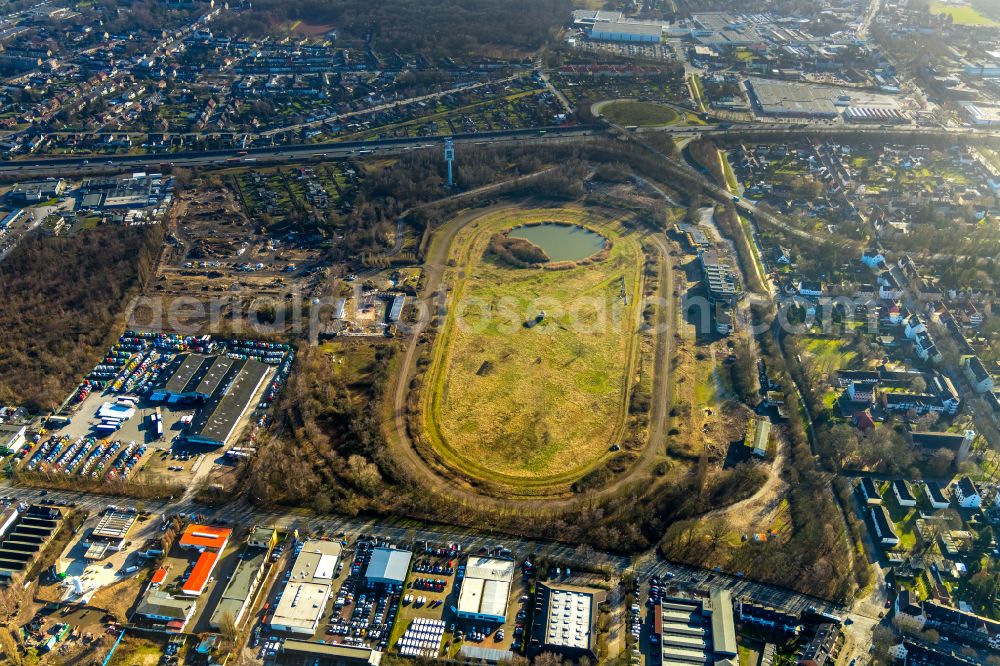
<point x="63" y="299"/>
<point x="435" y="28"/>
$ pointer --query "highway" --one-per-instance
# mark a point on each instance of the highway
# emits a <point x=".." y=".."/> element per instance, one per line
<point x="761" y="131"/>
<point x="273" y="154"/>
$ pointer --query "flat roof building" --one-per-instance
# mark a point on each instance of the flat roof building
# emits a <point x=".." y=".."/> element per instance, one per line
<point x="162" y="611"/>
<point x="697" y="631"/>
<point x="567" y="625"/>
<point x="627" y="31"/>
<point x="486" y="589"/>
<point x="781" y="98"/>
<point x="301" y="608"/>
<point x="116" y="523"/>
<point x="306" y="653"/>
<point x="242" y="586"/>
<point x="388" y="566"/>
<point x="217" y="420"/>
<point x="308" y="588"/>
<point x="205" y="537"/>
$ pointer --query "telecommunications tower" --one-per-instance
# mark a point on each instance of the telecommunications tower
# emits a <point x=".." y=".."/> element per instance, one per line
<point x="449" y="157"/>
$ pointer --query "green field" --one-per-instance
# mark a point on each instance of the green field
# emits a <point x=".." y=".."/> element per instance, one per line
<point x="830" y="354"/>
<point x="539" y="405"/>
<point x="963" y="14"/>
<point x="641" y="114"/>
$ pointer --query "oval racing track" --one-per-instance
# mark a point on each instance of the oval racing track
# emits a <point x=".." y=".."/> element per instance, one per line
<point x="421" y="470"/>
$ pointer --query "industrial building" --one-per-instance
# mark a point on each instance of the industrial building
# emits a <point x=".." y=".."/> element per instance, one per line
<point x="306" y="653"/>
<point x="218" y="419"/>
<point x="388" y="566"/>
<point x="781" y="98"/>
<point x="699" y="631"/>
<point x="209" y="541"/>
<point x="396" y="309"/>
<point x="485" y="589"/>
<point x="27" y="536"/>
<point x="226" y="387"/>
<point x="245" y="579"/>
<point x="161" y="611"/>
<point x="140" y="190"/>
<point x="984" y="115"/>
<point x="570" y="619"/>
<point x="12" y="437"/>
<point x="627" y="31"/>
<point x="39" y="190"/>
<point x="111" y="531"/>
<point x="308" y="589"/>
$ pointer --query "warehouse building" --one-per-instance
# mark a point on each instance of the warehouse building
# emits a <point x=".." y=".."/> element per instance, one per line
<point x="308" y="588"/>
<point x="781" y="98"/>
<point x="12" y="437"/>
<point x="232" y="396"/>
<point x="111" y="530"/>
<point x="306" y="653"/>
<point x="486" y="589"/>
<point x="161" y="611"/>
<point x="984" y="115"/>
<point x="25" y="539"/>
<point x="388" y="566"/>
<point x="209" y="542"/>
<point x="243" y="584"/>
<point x="627" y="31"/>
<point x="697" y="631"/>
<point x="570" y="618"/>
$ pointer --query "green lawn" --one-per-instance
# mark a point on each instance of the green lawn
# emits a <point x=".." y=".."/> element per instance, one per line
<point x="642" y="114"/>
<point x="829" y="354"/>
<point x="963" y="14"/>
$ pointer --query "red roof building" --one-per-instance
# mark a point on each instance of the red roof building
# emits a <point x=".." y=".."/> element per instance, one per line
<point x="205" y="537"/>
<point x="198" y="578"/>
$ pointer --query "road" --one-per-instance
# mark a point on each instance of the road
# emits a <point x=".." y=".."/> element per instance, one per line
<point x="403" y="531"/>
<point x="84" y="164"/>
<point x="761" y="131"/>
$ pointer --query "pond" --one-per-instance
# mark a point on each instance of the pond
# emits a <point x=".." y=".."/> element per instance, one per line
<point x="561" y="242"/>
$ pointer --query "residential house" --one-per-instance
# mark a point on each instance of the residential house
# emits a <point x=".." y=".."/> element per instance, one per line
<point x="966" y="494"/>
<point x="823" y="648"/>
<point x="810" y="288"/>
<point x="936" y="496"/>
<point x="930" y="442"/>
<point x="768" y="618"/>
<point x="861" y="392"/>
<point x="902" y="493"/>
<point x="907" y="605"/>
<point x="944" y="388"/>
<point x="977" y="374"/>
<point x="923" y="345"/>
<point x="889" y="288"/>
<point x="883" y="526"/>
<point x="873" y="258"/>
<point x="862" y="420"/>
<point x="869" y="489"/>
<point x="921" y="403"/>
<point x="963" y="626"/>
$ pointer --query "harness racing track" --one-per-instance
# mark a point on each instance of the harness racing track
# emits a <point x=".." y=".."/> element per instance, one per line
<point x="507" y="413"/>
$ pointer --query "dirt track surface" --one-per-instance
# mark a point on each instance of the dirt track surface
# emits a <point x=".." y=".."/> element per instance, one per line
<point x="404" y="450"/>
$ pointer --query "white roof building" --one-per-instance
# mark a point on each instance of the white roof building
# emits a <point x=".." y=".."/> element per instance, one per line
<point x="486" y="589"/>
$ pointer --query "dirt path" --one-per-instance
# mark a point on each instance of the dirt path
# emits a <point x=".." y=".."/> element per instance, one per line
<point x="398" y="437"/>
